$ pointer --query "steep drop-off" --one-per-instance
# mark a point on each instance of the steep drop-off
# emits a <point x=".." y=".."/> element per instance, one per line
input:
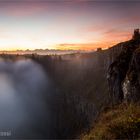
<point x="123" y="73"/>
<point x="122" y="120"/>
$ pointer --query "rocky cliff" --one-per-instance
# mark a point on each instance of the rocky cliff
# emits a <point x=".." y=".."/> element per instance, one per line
<point x="123" y="73"/>
<point x="84" y="84"/>
<point x="121" y="119"/>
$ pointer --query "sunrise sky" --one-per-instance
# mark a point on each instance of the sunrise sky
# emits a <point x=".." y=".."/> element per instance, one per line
<point x="66" y="24"/>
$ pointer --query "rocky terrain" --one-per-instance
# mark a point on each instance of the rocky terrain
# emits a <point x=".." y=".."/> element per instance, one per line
<point x="123" y="73"/>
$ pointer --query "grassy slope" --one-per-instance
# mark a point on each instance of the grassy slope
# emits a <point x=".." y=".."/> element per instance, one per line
<point x="120" y="122"/>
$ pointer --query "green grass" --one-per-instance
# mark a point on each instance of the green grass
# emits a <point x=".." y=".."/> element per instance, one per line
<point x="120" y="122"/>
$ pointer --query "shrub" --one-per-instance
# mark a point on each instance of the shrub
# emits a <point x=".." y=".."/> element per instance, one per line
<point x="122" y="122"/>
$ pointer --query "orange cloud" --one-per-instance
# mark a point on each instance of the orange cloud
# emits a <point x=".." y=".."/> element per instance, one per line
<point x="114" y="34"/>
<point x="87" y="46"/>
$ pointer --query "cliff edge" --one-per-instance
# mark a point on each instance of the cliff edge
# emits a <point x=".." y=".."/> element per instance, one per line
<point x="124" y="73"/>
<point x="122" y="119"/>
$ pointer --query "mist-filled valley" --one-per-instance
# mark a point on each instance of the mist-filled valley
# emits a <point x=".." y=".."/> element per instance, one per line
<point x="52" y="96"/>
<point x="69" y="69"/>
<point x="23" y="107"/>
<point x="62" y="96"/>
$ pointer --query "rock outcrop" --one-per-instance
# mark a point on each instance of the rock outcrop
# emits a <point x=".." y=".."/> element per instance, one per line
<point x="123" y="73"/>
<point x="131" y="84"/>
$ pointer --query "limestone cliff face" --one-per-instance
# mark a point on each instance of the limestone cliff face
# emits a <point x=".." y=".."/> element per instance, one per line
<point x="131" y="84"/>
<point x="123" y="73"/>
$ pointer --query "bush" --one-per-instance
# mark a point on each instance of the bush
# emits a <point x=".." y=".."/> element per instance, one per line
<point x="122" y="122"/>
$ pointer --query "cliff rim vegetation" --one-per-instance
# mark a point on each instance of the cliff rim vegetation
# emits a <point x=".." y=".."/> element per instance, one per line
<point x="120" y="122"/>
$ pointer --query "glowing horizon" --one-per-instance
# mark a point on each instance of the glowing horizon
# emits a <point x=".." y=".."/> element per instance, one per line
<point x="74" y="24"/>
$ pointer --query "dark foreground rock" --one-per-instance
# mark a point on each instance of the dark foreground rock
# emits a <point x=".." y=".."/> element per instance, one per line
<point x="123" y="73"/>
<point x="131" y="84"/>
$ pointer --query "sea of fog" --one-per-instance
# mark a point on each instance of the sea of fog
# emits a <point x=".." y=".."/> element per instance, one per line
<point x="23" y="109"/>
